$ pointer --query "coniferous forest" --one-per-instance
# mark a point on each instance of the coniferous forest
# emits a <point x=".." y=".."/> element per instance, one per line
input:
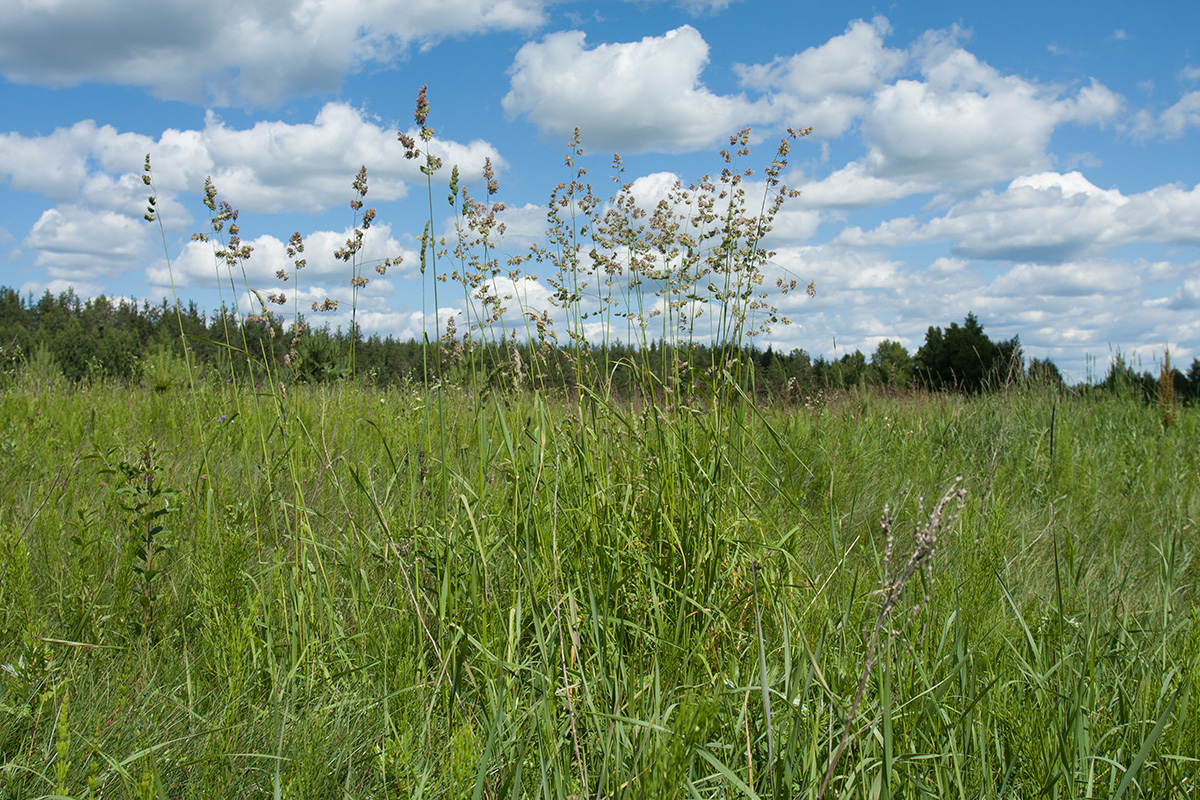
<point x="103" y="338"/>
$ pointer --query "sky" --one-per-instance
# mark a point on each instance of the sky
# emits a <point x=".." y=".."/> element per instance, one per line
<point x="1035" y="164"/>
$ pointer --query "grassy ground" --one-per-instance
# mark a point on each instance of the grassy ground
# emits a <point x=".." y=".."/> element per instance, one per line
<point x="352" y="592"/>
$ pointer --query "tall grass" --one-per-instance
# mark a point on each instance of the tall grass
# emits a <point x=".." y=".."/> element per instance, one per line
<point x="325" y="616"/>
<point x="214" y="588"/>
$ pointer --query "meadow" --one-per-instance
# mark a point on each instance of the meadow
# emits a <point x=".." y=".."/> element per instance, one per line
<point x="339" y="591"/>
<point x="248" y="578"/>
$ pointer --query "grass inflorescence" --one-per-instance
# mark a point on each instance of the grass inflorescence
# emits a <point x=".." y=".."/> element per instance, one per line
<point x="235" y="583"/>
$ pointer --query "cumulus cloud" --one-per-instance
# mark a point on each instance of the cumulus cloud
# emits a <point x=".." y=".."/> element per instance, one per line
<point x="81" y="244"/>
<point x="406" y="325"/>
<point x="699" y="7"/>
<point x="226" y="52"/>
<point x="1171" y="123"/>
<point x="842" y="276"/>
<point x="854" y="186"/>
<point x="325" y="276"/>
<point x="1187" y="296"/>
<point x="270" y="167"/>
<point x="57" y="165"/>
<point x="862" y="297"/>
<point x="376" y="313"/>
<point x="631" y="97"/>
<point x="855" y="62"/>
<point x="197" y="265"/>
<point x="966" y="123"/>
<point x="1028" y="282"/>
<point x="1049" y="218"/>
<point x="523" y="295"/>
<point x="277" y="166"/>
<point x="82" y="287"/>
<point x="1063" y="311"/>
<point x="794" y="225"/>
<point x="932" y="116"/>
<point x="1167" y="215"/>
<point x="1040" y="259"/>
<point x="95" y="174"/>
<point x="1181" y="116"/>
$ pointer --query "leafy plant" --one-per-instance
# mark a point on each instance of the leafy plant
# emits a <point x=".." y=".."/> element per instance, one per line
<point x="163" y="369"/>
<point x="1166" y="391"/>
<point x="148" y="503"/>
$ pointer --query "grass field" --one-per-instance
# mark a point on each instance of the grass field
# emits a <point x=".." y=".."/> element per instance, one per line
<point x="346" y="591"/>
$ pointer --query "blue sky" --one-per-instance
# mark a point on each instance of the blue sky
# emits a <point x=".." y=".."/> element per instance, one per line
<point x="1033" y="163"/>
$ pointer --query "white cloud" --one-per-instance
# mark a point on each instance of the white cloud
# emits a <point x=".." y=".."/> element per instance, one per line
<point x="650" y="190"/>
<point x="95" y="172"/>
<point x="1144" y="126"/>
<point x="197" y="266"/>
<point x="1067" y="294"/>
<point x="1093" y="104"/>
<point x="946" y="267"/>
<point x="270" y="167"/>
<point x="1049" y="218"/>
<point x="80" y="286"/>
<point x="824" y="86"/>
<point x="853" y="186"/>
<point x="375" y="313"/>
<point x="794" y="224"/>
<point x="1030" y="282"/>
<point x="968" y="124"/>
<point x="889" y="233"/>
<point x="228" y="52"/>
<point x="863" y="297"/>
<point x="1046" y="217"/>
<point x="842" y="275"/>
<point x="933" y="116"/>
<point x="1187" y="296"/>
<point x="277" y="166"/>
<point x="829" y="116"/>
<point x="435" y="324"/>
<point x="699" y="7"/>
<point x="56" y="165"/>
<point x="522" y="295"/>
<point x="1172" y="123"/>
<point x="75" y="243"/>
<point x="1063" y="311"/>
<point x="1183" y="115"/>
<point x="523" y="225"/>
<point x="381" y="319"/>
<point x="1167" y="215"/>
<point x="855" y="62"/>
<point x="631" y="97"/>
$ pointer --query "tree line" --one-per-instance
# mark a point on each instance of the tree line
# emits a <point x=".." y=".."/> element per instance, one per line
<point x="105" y="338"/>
